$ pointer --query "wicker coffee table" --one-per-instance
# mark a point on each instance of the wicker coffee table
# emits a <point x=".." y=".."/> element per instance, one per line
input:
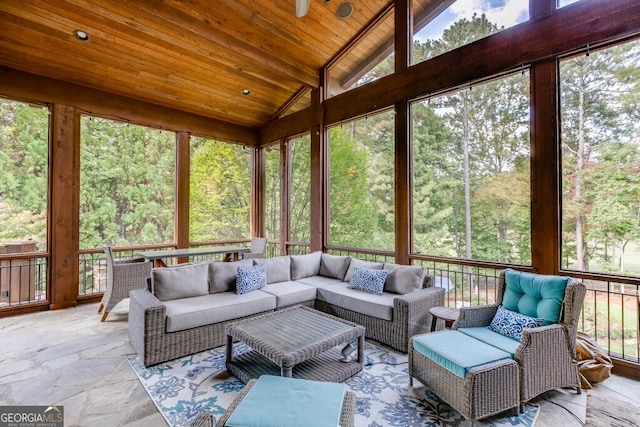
<point x="297" y="337"/>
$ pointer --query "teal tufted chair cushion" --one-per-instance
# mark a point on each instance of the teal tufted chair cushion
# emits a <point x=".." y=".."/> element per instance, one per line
<point x="535" y="295"/>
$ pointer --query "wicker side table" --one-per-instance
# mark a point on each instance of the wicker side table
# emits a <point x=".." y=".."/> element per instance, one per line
<point x="448" y="314"/>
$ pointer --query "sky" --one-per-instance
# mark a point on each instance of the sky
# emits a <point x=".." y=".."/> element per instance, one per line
<point x="505" y="13"/>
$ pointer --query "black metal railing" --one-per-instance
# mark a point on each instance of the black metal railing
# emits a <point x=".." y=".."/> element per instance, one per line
<point x="23" y="280"/>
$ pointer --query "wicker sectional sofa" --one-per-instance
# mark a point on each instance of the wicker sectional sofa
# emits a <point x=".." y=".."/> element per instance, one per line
<point x="187" y="307"/>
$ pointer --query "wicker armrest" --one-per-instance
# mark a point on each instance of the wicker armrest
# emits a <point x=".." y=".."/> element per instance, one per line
<point x="472" y="317"/>
<point x="542" y="341"/>
<point x="147" y="317"/>
<point x="415" y="307"/>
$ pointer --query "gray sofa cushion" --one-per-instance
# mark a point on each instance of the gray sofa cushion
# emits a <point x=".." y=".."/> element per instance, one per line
<point x="187" y="313"/>
<point x="305" y="265"/>
<point x="182" y="281"/>
<point x="320" y="281"/>
<point x="222" y="275"/>
<point x="355" y="262"/>
<point x="380" y="306"/>
<point x="278" y="268"/>
<point x="334" y="265"/>
<point x="403" y="279"/>
<point x="289" y="293"/>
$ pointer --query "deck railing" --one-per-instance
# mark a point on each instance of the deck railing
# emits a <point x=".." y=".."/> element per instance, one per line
<point x="23" y="279"/>
<point x="610" y="312"/>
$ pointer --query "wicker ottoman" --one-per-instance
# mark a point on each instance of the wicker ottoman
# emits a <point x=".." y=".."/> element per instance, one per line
<point x="485" y="390"/>
<point x="206" y="419"/>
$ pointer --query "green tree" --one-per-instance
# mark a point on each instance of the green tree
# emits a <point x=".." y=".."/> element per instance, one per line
<point x="219" y="190"/>
<point x="24" y="142"/>
<point x="126" y="184"/>
<point x="353" y="220"/>
<point x="599" y="94"/>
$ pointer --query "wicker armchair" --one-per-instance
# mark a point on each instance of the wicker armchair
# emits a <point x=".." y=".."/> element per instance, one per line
<point x="258" y="245"/>
<point x="545" y="359"/>
<point x="123" y="276"/>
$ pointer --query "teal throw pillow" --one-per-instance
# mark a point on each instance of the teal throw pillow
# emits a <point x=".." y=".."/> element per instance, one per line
<point x="251" y="278"/>
<point x="511" y="324"/>
<point x="366" y="279"/>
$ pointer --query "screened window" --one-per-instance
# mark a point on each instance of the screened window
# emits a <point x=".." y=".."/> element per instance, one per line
<point x="300" y="189"/>
<point x="220" y="190"/>
<point x="272" y="192"/>
<point x="126" y="184"/>
<point x="470" y="173"/>
<point x="24" y="145"/>
<point x="361" y="183"/>
<point x="601" y="160"/>
<point x="438" y="30"/>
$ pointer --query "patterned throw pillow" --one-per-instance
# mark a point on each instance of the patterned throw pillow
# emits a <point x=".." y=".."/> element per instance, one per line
<point x="511" y="323"/>
<point x="366" y="279"/>
<point x="251" y="278"/>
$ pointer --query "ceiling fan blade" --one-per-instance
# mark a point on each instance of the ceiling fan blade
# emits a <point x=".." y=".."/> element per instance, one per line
<point x="302" y="7"/>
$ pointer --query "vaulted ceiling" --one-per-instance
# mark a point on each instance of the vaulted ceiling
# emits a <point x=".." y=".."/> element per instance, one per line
<point x="193" y="55"/>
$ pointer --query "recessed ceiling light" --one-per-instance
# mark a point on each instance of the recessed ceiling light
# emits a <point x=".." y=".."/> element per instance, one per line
<point x="81" y="35"/>
<point x="344" y="10"/>
<point x="246" y="91"/>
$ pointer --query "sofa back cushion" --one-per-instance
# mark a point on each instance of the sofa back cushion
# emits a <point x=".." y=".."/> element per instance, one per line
<point x="305" y="265"/>
<point x="222" y="275"/>
<point x="403" y="279"/>
<point x="278" y="268"/>
<point x="534" y="295"/>
<point x="334" y="266"/>
<point x="182" y="281"/>
<point x="360" y="263"/>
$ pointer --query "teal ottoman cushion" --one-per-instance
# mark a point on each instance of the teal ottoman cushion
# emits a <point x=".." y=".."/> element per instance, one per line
<point x="289" y="402"/>
<point x="534" y="295"/>
<point x="456" y="351"/>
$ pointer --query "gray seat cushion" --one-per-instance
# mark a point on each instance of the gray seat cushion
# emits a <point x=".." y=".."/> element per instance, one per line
<point x="320" y="281"/>
<point x="187" y="313"/>
<point x="289" y="293"/>
<point x="380" y="306"/>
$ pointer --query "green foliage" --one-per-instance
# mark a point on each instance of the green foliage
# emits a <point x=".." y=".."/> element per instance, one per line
<point x="353" y="219"/>
<point x="24" y="143"/>
<point x="601" y="158"/>
<point x="300" y="189"/>
<point x="126" y="184"/>
<point x="219" y="191"/>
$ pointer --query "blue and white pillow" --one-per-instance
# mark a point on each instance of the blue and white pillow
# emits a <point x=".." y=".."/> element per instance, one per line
<point x="251" y="278"/>
<point x="366" y="279"/>
<point x="511" y="323"/>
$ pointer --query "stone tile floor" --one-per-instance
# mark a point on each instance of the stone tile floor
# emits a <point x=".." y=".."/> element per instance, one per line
<point x="68" y="357"/>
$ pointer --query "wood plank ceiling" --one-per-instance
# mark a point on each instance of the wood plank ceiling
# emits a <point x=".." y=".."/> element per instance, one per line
<point x="193" y="55"/>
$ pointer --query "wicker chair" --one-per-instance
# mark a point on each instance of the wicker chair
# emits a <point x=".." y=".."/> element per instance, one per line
<point x="545" y="359"/>
<point x="123" y="276"/>
<point x="258" y="245"/>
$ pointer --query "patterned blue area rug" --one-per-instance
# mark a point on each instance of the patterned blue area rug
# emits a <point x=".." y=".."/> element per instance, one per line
<point x="182" y="388"/>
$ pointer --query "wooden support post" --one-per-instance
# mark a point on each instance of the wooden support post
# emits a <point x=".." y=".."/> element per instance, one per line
<point x="64" y="207"/>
